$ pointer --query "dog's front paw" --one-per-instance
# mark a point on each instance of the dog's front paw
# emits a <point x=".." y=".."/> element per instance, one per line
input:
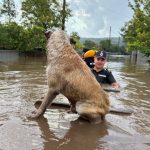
<point x="36" y="114"/>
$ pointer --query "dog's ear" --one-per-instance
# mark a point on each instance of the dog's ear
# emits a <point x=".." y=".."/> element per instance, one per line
<point x="48" y="33"/>
<point x="72" y="41"/>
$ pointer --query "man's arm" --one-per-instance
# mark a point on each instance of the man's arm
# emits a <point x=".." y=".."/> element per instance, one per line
<point x="112" y="80"/>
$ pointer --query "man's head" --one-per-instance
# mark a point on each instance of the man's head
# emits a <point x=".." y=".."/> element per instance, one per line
<point x="100" y="60"/>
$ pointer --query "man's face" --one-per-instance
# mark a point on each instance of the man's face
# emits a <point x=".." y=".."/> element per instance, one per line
<point x="99" y="62"/>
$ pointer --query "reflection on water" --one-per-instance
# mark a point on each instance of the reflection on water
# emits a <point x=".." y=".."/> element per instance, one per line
<point x="23" y="81"/>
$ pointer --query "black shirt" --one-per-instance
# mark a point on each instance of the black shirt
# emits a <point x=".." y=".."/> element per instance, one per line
<point x="104" y="76"/>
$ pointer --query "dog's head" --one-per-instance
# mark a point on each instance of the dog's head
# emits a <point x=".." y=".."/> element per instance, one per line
<point x="48" y="32"/>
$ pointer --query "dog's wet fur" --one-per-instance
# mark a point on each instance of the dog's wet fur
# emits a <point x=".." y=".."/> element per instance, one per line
<point x="68" y="74"/>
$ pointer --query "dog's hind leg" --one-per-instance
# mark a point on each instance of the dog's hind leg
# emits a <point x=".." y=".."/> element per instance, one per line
<point x="51" y="94"/>
<point x="88" y="112"/>
<point x="73" y="104"/>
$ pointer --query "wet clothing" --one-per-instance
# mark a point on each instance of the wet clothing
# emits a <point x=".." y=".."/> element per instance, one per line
<point x="104" y="76"/>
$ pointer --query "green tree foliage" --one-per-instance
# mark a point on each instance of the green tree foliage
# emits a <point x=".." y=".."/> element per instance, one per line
<point x="10" y="35"/>
<point x="90" y="44"/>
<point x="136" y="32"/>
<point x="78" y="46"/>
<point x="75" y="36"/>
<point x="64" y="14"/>
<point x="105" y="44"/>
<point x="32" y="39"/>
<point x="8" y="9"/>
<point x="37" y="12"/>
<point x="29" y="36"/>
<point x="14" y="36"/>
<point x="108" y="46"/>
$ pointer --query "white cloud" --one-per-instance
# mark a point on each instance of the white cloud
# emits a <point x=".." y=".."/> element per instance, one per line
<point x="81" y="13"/>
<point x="93" y="18"/>
<point x="104" y="32"/>
<point x="86" y="18"/>
<point x="100" y="8"/>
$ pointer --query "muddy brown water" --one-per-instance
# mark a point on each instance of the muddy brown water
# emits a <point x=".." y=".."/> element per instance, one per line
<point x="23" y="81"/>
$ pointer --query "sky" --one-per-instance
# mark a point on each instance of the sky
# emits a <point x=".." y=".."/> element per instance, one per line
<point x="94" y="18"/>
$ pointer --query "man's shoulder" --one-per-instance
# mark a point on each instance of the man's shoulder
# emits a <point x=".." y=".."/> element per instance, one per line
<point x="105" y="70"/>
<point x="102" y="71"/>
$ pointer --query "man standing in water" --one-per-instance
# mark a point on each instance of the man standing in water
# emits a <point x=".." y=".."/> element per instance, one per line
<point x="102" y="75"/>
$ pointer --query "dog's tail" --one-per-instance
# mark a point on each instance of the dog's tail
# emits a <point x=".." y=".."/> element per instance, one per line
<point x="90" y="111"/>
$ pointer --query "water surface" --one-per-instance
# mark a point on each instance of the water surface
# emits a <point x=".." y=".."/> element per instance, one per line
<point x="23" y="81"/>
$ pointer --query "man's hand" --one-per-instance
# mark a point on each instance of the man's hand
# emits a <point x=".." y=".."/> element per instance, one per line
<point x="116" y="85"/>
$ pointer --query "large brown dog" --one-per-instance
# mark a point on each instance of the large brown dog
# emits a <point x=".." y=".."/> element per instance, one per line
<point x="68" y="74"/>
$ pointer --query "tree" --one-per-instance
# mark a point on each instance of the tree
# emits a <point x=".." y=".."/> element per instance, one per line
<point x="76" y="38"/>
<point x="37" y="12"/>
<point x="75" y="35"/>
<point x="8" y="9"/>
<point x="0" y="9"/>
<point x="90" y="44"/>
<point x="65" y="13"/>
<point x="105" y="44"/>
<point x="136" y="32"/>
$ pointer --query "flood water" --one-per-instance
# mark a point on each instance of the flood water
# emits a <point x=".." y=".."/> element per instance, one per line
<point x="23" y="81"/>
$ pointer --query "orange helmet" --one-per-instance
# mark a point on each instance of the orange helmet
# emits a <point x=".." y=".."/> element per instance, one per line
<point x="89" y="53"/>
